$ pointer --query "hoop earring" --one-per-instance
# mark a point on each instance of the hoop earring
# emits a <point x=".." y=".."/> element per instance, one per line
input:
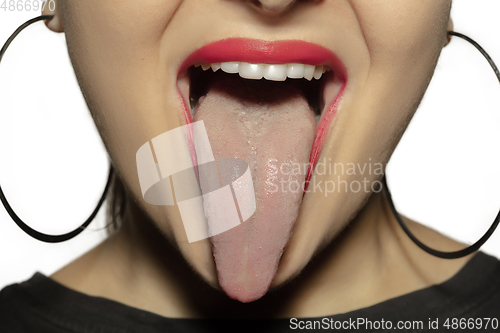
<point x="32" y="232"/>
<point x="474" y="247"/>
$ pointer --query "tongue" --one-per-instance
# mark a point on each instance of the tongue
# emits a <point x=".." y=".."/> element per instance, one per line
<point x="271" y="126"/>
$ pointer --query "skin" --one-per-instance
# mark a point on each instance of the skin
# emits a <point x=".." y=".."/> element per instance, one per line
<point x="126" y="56"/>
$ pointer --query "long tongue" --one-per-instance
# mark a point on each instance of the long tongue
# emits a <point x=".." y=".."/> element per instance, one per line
<point x="271" y="126"/>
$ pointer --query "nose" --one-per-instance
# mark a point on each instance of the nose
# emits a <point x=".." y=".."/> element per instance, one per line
<point x="274" y="7"/>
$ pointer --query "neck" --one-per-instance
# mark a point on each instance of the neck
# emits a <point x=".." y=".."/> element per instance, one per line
<point x="371" y="261"/>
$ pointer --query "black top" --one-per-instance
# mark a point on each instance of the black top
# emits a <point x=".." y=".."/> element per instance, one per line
<point x="469" y="301"/>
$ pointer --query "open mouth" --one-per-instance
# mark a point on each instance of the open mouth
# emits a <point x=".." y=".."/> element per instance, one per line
<point x="270" y="104"/>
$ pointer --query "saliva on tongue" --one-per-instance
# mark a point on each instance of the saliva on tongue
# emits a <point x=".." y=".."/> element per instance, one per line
<point x="271" y="126"/>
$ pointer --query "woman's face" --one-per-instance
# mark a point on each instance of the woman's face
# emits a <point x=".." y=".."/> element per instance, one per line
<point x="130" y="60"/>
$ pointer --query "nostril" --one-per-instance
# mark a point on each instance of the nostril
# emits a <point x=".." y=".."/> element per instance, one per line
<point x="273" y="6"/>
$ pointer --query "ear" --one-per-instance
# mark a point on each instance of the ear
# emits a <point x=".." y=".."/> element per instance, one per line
<point x="449" y="28"/>
<point x="55" y="23"/>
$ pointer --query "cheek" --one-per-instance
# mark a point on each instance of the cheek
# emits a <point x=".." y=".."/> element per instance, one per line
<point x="115" y="44"/>
<point x="404" y="25"/>
<point x="404" y="39"/>
<point x="114" y="48"/>
<point x="111" y="43"/>
<point x="118" y="21"/>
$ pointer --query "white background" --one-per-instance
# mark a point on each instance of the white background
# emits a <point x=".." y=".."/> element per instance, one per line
<point x="445" y="173"/>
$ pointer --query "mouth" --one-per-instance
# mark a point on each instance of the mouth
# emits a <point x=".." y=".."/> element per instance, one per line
<point x="270" y="104"/>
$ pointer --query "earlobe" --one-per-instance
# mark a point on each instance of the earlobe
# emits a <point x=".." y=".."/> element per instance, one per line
<point x="449" y="28"/>
<point x="55" y="23"/>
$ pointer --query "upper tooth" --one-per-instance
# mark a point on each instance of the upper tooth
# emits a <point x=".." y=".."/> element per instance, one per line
<point x="269" y="71"/>
<point x="318" y="72"/>
<point x="216" y="66"/>
<point x="251" y="71"/>
<point x="309" y="72"/>
<point x="230" y="67"/>
<point x="275" y="72"/>
<point x="295" y="71"/>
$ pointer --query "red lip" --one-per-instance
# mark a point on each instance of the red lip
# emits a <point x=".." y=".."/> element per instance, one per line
<point x="276" y="52"/>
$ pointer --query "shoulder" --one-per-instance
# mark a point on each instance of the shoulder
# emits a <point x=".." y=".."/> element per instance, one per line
<point x="19" y="308"/>
<point x="11" y="308"/>
<point x="479" y="287"/>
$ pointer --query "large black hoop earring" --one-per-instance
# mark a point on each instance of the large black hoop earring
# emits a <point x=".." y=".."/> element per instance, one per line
<point x="474" y="247"/>
<point x="32" y="232"/>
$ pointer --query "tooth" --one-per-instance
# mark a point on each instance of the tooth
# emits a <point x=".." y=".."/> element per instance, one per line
<point x="216" y="66"/>
<point x="309" y="72"/>
<point x="230" y="67"/>
<point x="205" y="66"/>
<point x="295" y="71"/>
<point x="269" y="72"/>
<point x="275" y="72"/>
<point x="318" y="72"/>
<point x="197" y="65"/>
<point x="251" y="71"/>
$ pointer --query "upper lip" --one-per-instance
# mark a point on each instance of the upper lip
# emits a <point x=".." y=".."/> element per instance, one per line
<point x="265" y="52"/>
